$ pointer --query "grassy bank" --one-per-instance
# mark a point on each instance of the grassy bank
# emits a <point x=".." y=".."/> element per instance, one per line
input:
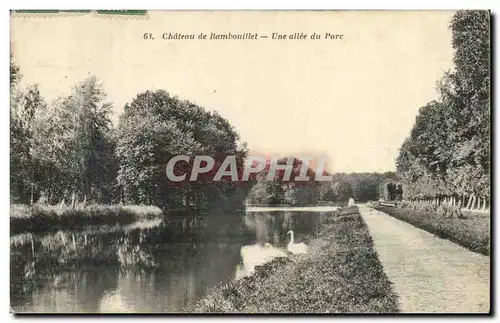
<point x="340" y="274"/>
<point x="471" y="232"/>
<point x="37" y="218"/>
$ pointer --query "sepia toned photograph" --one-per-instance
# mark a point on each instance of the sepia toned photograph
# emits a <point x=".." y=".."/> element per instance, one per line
<point x="250" y="162"/>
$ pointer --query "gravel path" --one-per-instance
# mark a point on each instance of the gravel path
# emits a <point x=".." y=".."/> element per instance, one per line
<point x="429" y="274"/>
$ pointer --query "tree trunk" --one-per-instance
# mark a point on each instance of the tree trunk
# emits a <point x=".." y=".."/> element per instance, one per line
<point x="32" y="187"/>
<point x="32" y="246"/>
<point x="84" y="200"/>
<point x="463" y="201"/>
<point x="469" y="202"/>
<point x="73" y="200"/>
<point x="32" y="193"/>
<point x="484" y="204"/>
<point x="63" y="238"/>
<point x="473" y="201"/>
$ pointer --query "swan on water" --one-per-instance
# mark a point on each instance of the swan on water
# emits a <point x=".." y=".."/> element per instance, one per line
<point x="273" y="252"/>
<point x="296" y="248"/>
<point x="256" y="255"/>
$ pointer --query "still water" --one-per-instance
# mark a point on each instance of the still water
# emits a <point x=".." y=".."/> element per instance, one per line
<point x="179" y="261"/>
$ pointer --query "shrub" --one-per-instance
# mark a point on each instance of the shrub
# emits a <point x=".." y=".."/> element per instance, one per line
<point x="40" y="218"/>
<point x="448" y="222"/>
<point x="449" y="211"/>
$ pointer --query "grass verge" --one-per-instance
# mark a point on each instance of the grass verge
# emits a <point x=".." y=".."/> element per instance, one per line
<point x="472" y="232"/>
<point x="37" y="218"/>
<point x="340" y="274"/>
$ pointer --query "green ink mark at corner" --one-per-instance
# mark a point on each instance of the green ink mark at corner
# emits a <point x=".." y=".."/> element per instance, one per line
<point x="77" y="11"/>
<point x="105" y="12"/>
<point x="123" y="12"/>
<point x="51" y="11"/>
<point x="36" y="11"/>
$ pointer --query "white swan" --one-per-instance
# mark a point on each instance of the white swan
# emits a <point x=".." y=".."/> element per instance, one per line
<point x="296" y="248"/>
<point x="272" y="252"/>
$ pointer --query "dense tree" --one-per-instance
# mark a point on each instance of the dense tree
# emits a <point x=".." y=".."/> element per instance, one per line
<point x="155" y="127"/>
<point x="68" y="148"/>
<point x="326" y="192"/>
<point x="87" y="138"/>
<point x="446" y="157"/>
<point x="343" y="191"/>
<point x="284" y="190"/>
<point x="82" y="138"/>
<point x="62" y="147"/>
<point x="360" y="186"/>
<point x="24" y="106"/>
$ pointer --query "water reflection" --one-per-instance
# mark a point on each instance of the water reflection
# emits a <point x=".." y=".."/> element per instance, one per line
<point x="177" y="284"/>
<point x="171" y="265"/>
<point x="78" y="291"/>
<point x="272" y="227"/>
<point x="256" y="255"/>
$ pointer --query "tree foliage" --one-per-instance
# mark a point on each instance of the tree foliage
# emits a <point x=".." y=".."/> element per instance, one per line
<point x="155" y="127"/>
<point x="63" y="147"/>
<point x="360" y="186"/>
<point x="282" y="190"/>
<point x="447" y="153"/>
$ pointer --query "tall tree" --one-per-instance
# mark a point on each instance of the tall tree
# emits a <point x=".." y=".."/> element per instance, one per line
<point x="75" y="144"/>
<point x="447" y="152"/>
<point x="154" y="128"/>
<point x="24" y="106"/>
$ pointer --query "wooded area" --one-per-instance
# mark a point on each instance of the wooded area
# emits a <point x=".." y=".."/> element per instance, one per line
<point x="360" y="186"/>
<point x="68" y="150"/>
<point x="446" y="158"/>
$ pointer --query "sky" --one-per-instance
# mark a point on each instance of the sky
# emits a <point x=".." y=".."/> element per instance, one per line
<point x="353" y="100"/>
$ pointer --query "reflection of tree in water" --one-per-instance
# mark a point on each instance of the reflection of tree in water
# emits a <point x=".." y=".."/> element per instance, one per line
<point x="200" y="227"/>
<point x="185" y="274"/>
<point x="71" y="291"/>
<point x="191" y="255"/>
<point x="194" y="254"/>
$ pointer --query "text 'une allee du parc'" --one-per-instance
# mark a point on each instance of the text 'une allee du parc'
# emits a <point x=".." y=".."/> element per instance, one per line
<point x="251" y="36"/>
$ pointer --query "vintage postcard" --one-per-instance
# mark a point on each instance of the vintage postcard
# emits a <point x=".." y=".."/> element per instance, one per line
<point x="332" y="162"/>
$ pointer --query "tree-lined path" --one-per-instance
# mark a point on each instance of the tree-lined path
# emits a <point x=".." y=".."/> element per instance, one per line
<point x="430" y="274"/>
